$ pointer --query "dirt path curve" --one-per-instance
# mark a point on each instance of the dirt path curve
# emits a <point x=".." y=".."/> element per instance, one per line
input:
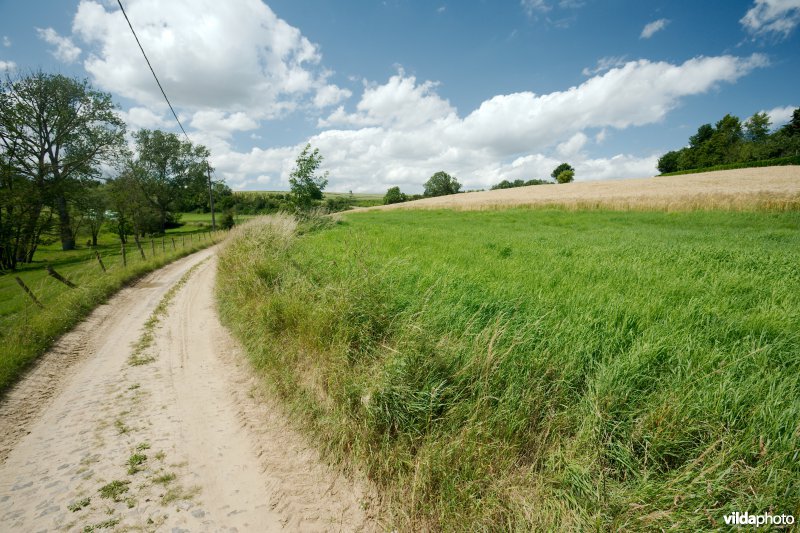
<point x="167" y="431"/>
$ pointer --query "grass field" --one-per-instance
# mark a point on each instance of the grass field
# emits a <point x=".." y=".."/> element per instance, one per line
<point x="26" y="331"/>
<point x="537" y="369"/>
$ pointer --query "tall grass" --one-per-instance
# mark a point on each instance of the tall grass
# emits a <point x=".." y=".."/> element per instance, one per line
<point x="534" y="369"/>
<point x="28" y="331"/>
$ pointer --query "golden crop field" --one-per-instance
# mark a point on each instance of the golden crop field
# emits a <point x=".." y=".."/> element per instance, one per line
<point x="774" y="188"/>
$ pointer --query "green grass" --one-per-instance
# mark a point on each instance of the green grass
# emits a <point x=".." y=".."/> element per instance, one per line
<point x="537" y="369"/>
<point x="27" y="331"/>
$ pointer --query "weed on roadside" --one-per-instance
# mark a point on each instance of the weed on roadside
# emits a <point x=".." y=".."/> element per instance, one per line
<point x="114" y="490"/>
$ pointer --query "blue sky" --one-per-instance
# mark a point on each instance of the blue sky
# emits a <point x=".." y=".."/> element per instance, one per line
<point x="392" y="91"/>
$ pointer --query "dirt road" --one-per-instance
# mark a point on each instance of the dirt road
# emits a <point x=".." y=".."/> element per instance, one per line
<point x="147" y="417"/>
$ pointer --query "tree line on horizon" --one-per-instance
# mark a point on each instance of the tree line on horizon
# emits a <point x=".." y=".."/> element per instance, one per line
<point x="443" y="184"/>
<point x="731" y="141"/>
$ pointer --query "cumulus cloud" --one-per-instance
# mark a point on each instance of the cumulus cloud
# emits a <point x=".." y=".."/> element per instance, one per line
<point x="572" y="146"/>
<point x="402" y="131"/>
<point x="640" y="92"/>
<point x="141" y="117"/>
<point x="400" y="103"/>
<point x="65" y="50"/>
<point x="266" y="70"/>
<point x="652" y="28"/>
<point x="780" y="115"/>
<point x="331" y="95"/>
<point x="6" y="41"/>
<point x="7" y="65"/>
<point x="772" y="17"/>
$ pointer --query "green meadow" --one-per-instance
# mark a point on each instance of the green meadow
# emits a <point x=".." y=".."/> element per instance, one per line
<point x="536" y="369"/>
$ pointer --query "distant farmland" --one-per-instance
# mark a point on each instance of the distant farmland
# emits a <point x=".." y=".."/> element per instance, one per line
<point x="774" y="188"/>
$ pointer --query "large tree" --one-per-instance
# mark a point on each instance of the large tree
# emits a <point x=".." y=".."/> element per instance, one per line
<point x="55" y="132"/>
<point x="441" y="184"/>
<point x="166" y="167"/>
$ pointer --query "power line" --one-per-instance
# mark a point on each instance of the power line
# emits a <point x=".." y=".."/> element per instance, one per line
<point x="153" y="71"/>
<point x="174" y="114"/>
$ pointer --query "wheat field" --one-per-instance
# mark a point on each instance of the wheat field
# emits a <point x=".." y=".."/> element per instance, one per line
<point x="772" y="188"/>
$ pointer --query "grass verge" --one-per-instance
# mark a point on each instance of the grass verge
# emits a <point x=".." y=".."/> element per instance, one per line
<point x="29" y="331"/>
<point x="537" y="369"/>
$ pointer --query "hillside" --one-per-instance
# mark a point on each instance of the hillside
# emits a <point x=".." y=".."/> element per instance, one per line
<point x="770" y="187"/>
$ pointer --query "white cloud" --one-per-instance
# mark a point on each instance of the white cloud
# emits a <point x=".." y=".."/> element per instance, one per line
<point x="268" y="69"/>
<point x="402" y="131"/>
<point x="6" y="41"/>
<point x="7" y="65"/>
<point x="652" y="28"/>
<point x="641" y="92"/>
<point x="400" y="103"/>
<point x="441" y="9"/>
<point x="141" y="117"/>
<point x="604" y="64"/>
<point x="780" y="115"/>
<point x="331" y="95"/>
<point x="776" y="17"/>
<point x="572" y="146"/>
<point x="65" y="50"/>
<point x="213" y="122"/>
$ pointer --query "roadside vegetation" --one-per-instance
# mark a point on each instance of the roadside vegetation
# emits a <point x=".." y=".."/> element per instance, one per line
<point x="536" y="369"/>
<point x="27" y="330"/>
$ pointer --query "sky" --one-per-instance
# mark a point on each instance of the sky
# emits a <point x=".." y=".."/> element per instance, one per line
<point x="392" y="91"/>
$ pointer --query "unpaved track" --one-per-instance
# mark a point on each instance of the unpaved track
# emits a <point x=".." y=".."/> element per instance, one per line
<point x="186" y="442"/>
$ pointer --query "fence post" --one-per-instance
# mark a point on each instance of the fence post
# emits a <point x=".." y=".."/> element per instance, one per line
<point x="153" y="247"/>
<point x="124" y="259"/>
<point x="28" y="292"/>
<point x="99" y="260"/>
<point x="163" y="248"/>
<point x="60" y="278"/>
<point x="139" y="245"/>
<point x="173" y="244"/>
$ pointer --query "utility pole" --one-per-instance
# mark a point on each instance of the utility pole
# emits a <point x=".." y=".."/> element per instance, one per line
<point x="211" y="198"/>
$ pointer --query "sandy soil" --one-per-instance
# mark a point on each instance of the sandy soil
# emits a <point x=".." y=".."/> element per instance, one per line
<point x="773" y="187"/>
<point x="188" y="441"/>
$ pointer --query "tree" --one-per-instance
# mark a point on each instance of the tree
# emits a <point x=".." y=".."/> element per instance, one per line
<point x="793" y="127"/>
<point x="441" y="184"/>
<point x="561" y="168"/>
<point x="757" y="127"/>
<point x="22" y="220"/>
<point x="725" y="142"/>
<point x="394" y="196"/>
<point x="306" y="186"/>
<point x="566" y="176"/>
<point x="55" y="131"/>
<point x="668" y="162"/>
<point x="166" y="167"/>
<point x="703" y="134"/>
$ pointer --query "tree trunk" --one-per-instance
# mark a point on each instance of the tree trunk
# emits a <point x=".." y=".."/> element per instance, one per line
<point x="67" y="240"/>
<point x="29" y="235"/>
